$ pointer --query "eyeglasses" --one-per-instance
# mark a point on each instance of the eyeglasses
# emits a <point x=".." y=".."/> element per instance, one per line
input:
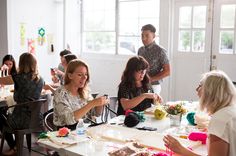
<point x="199" y="86"/>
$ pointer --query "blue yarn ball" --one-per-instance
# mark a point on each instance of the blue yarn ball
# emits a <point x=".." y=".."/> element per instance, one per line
<point x="190" y="118"/>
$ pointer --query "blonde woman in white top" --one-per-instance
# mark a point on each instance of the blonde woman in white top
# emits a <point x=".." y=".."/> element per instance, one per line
<point x="217" y="96"/>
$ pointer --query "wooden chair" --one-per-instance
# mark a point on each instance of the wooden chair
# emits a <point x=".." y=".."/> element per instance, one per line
<point x="35" y="125"/>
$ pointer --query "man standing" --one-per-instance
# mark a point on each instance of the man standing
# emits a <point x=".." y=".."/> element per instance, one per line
<point x="156" y="57"/>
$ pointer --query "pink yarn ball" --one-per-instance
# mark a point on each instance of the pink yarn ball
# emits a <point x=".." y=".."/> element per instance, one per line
<point x="160" y="154"/>
<point x="198" y="136"/>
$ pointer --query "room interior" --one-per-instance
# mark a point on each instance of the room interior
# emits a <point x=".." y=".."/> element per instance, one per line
<point x="46" y="27"/>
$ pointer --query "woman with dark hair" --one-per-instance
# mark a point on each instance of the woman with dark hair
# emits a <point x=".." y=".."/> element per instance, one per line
<point x="72" y="101"/>
<point x="135" y="91"/>
<point x="27" y="87"/>
<point x="9" y="64"/>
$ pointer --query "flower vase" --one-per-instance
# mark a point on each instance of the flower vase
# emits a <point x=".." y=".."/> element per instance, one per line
<point x="175" y="120"/>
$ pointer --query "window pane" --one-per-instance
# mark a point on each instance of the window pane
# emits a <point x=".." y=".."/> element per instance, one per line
<point x="199" y="17"/>
<point x="129" y="27"/>
<point x="99" y="26"/>
<point x="198" y="41"/>
<point x="129" y="45"/>
<point x="99" y="42"/>
<point x="226" y="42"/>
<point x="99" y="20"/>
<point x="227" y="16"/>
<point x="132" y="16"/>
<point x="148" y="8"/>
<point x="184" y="41"/>
<point x="185" y="17"/>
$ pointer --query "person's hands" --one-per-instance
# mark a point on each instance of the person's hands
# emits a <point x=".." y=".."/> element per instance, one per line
<point x="173" y="144"/>
<point x="55" y="79"/>
<point x="58" y="72"/>
<point x="103" y="100"/>
<point x="4" y="67"/>
<point x="153" y="96"/>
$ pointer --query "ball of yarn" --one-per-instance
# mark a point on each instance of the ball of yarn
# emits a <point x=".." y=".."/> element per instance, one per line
<point x="128" y="111"/>
<point x="131" y="119"/>
<point x="198" y="136"/>
<point x="62" y="132"/>
<point x="190" y="118"/>
<point x="160" y="154"/>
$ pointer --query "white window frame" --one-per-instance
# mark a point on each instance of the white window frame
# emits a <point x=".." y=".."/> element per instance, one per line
<point x="117" y="24"/>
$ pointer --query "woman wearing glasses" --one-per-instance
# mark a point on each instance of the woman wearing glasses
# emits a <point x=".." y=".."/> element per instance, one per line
<point x="218" y="97"/>
<point x="135" y="91"/>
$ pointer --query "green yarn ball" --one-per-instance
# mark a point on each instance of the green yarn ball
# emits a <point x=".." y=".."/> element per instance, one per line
<point x="190" y="118"/>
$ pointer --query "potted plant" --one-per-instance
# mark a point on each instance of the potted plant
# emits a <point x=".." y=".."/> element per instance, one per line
<point x="175" y="112"/>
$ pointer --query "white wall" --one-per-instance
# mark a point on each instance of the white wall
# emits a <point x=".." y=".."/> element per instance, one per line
<point x="106" y="70"/>
<point x="3" y="28"/>
<point x="35" y="14"/>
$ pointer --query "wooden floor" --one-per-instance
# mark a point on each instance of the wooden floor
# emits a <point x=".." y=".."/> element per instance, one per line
<point x="36" y="149"/>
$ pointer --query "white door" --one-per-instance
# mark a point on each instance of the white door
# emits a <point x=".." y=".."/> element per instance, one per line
<point x="202" y="41"/>
<point x="191" y="47"/>
<point x="224" y="37"/>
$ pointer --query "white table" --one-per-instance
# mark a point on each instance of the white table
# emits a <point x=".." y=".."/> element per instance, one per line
<point x="101" y="147"/>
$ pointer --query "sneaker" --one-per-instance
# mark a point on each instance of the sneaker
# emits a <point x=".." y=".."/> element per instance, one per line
<point x="10" y="152"/>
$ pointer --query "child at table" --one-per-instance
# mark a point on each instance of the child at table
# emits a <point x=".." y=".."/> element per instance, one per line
<point x="218" y="96"/>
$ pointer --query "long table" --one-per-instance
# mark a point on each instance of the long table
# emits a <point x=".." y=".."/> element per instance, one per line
<point x="97" y="143"/>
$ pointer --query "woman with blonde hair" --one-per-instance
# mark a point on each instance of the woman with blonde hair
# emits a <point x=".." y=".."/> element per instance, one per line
<point x="72" y="100"/>
<point x="218" y="97"/>
<point x="27" y="87"/>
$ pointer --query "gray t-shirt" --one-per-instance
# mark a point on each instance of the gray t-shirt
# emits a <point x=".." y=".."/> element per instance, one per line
<point x="156" y="57"/>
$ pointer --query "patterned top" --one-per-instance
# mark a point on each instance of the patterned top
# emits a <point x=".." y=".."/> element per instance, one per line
<point x="125" y="92"/>
<point x="156" y="57"/>
<point x="25" y="90"/>
<point x="65" y="104"/>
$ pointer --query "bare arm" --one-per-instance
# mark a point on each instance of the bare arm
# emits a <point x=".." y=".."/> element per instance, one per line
<point x="98" y="102"/>
<point x="217" y="146"/>
<point x="131" y="103"/>
<point x="164" y="73"/>
<point x="49" y="87"/>
<point x="6" y="80"/>
<point x="176" y="147"/>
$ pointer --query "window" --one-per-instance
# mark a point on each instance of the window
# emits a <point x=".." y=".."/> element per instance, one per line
<point x="227" y="29"/>
<point x="192" y="25"/>
<point x="98" y="26"/>
<point x="132" y="16"/>
<point x="114" y="26"/>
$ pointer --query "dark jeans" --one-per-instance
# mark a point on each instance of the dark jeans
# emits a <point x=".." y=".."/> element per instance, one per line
<point x="8" y="136"/>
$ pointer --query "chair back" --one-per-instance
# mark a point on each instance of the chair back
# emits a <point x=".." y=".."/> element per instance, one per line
<point x="35" y="123"/>
<point x="36" y="114"/>
<point x="27" y="115"/>
<point x="113" y="106"/>
<point x="48" y="122"/>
